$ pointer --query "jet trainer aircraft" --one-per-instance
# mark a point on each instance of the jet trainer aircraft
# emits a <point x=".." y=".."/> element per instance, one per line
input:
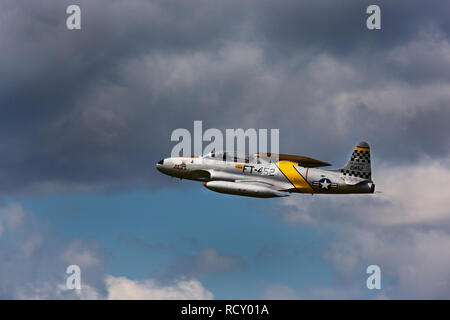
<point x="273" y="175"/>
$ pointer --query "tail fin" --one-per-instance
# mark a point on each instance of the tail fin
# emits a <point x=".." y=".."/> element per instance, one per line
<point x="359" y="163"/>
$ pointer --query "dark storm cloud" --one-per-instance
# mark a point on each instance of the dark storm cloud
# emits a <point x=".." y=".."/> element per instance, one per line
<point x="95" y="108"/>
<point x="337" y="26"/>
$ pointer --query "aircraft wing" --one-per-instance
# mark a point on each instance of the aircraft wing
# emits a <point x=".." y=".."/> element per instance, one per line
<point x="301" y="160"/>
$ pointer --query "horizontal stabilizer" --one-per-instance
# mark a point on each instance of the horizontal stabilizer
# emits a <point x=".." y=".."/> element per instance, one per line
<point x="351" y="181"/>
<point x="301" y="160"/>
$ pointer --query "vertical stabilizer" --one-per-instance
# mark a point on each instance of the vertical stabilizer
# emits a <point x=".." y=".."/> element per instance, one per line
<point x="359" y="163"/>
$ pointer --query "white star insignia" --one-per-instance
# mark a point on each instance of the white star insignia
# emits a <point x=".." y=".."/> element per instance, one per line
<point x="325" y="184"/>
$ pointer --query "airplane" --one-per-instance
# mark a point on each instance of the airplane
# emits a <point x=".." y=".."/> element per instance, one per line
<point x="266" y="175"/>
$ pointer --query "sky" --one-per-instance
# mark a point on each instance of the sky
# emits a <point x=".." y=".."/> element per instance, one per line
<point x="86" y="114"/>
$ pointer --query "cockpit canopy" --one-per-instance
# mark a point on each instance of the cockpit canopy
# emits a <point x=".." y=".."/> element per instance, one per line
<point x="232" y="157"/>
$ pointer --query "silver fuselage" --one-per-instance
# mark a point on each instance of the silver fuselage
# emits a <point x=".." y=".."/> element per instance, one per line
<point x="282" y="177"/>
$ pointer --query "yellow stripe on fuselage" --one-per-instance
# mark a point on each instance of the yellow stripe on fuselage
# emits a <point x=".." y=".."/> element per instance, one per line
<point x="362" y="149"/>
<point x="294" y="177"/>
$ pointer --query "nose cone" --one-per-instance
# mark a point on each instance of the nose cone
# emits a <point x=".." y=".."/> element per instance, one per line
<point x="160" y="164"/>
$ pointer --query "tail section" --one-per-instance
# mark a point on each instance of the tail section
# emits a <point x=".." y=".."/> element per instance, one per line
<point x="359" y="163"/>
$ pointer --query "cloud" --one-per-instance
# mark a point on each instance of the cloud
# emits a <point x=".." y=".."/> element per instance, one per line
<point x="34" y="258"/>
<point x="412" y="194"/>
<point x="93" y="111"/>
<point x="271" y="251"/>
<point x="411" y="260"/>
<point x="90" y="110"/>
<point x="34" y="262"/>
<point x="421" y="58"/>
<point x="279" y="292"/>
<point x="282" y="292"/>
<point x="136" y="242"/>
<point x="205" y="261"/>
<point x="405" y="230"/>
<point x="122" y="288"/>
<point x="202" y="262"/>
<point x="11" y="216"/>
